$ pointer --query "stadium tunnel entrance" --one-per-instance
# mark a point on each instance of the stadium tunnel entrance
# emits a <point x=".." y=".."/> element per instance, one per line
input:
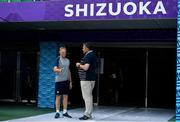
<point x="131" y="76"/>
<point x="135" y="67"/>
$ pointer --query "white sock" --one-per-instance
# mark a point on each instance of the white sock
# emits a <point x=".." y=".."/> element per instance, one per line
<point x="64" y="111"/>
<point x="57" y="111"/>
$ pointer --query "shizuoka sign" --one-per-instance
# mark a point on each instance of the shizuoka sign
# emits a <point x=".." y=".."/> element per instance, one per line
<point x="65" y="10"/>
<point x="115" y="9"/>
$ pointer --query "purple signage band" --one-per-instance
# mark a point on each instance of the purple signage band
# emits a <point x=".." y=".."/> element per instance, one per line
<point x="79" y="10"/>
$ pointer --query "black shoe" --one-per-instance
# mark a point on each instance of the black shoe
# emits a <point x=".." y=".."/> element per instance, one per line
<point x="57" y="115"/>
<point x="84" y="118"/>
<point x="67" y="115"/>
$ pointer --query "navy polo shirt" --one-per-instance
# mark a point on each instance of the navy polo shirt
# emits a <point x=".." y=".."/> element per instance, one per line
<point x="90" y="74"/>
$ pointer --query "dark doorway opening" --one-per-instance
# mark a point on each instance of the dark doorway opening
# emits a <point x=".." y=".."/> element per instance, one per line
<point x="29" y="76"/>
<point x="162" y="78"/>
<point x="123" y="80"/>
<point x="129" y="66"/>
<point x="18" y="61"/>
<point x="8" y="63"/>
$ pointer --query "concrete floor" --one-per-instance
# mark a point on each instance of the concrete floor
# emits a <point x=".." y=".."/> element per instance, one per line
<point x="109" y="114"/>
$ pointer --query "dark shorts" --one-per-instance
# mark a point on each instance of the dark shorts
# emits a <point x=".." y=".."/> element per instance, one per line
<point x="62" y="88"/>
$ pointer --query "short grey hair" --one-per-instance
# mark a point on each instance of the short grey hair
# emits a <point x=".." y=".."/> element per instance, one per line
<point x="62" y="47"/>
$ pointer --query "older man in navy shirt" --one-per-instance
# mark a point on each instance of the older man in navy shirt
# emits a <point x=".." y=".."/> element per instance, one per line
<point x="86" y="68"/>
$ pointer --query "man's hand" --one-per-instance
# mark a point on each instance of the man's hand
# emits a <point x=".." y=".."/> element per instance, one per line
<point x="70" y="85"/>
<point x="57" y="69"/>
<point x="78" y="64"/>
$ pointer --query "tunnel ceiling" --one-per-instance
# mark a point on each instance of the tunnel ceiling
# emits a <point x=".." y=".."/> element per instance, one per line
<point x="92" y="25"/>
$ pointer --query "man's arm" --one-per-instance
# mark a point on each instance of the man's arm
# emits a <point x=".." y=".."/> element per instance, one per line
<point x="57" y="69"/>
<point x="70" y="78"/>
<point x="84" y="67"/>
<point x="87" y="62"/>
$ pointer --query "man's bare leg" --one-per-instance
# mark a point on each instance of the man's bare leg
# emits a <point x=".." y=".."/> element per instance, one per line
<point x="58" y="97"/>
<point x="58" y="102"/>
<point x="65" y="104"/>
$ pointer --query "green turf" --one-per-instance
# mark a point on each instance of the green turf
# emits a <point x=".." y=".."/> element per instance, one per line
<point x="8" y="112"/>
<point x="173" y="119"/>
